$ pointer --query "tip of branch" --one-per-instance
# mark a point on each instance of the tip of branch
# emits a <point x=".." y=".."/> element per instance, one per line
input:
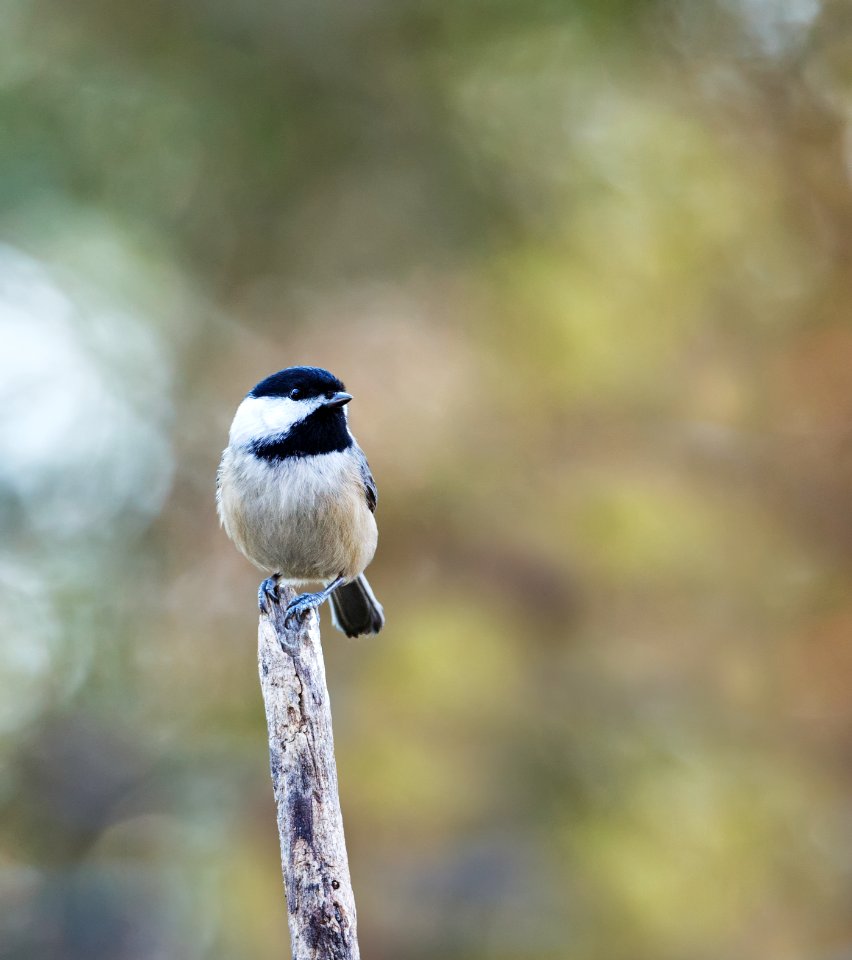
<point x="289" y="631"/>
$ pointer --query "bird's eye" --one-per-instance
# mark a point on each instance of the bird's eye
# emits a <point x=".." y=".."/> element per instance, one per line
<point x="295" y="393"/>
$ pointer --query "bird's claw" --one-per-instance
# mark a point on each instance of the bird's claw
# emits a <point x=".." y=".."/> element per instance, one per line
<point x="299" y="607"/>
<point x="267" y="593"/>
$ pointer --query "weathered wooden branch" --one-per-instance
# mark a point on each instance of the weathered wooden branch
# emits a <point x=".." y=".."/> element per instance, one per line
<point x="320" y="903"/>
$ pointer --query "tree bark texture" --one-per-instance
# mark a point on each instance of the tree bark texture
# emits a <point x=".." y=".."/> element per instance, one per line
<point x="320" y="903"/>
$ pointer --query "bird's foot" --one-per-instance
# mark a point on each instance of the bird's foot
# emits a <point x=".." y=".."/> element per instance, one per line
<point x="299" y="607"/>
<point x="267" y="594"/>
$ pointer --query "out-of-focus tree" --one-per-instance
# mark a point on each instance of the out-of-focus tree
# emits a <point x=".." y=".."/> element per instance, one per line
<point x="584" y="266"/>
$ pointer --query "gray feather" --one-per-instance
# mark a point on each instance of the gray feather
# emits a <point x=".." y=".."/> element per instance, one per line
<point x="370" y="490"/>
<point x="355" y="610"/>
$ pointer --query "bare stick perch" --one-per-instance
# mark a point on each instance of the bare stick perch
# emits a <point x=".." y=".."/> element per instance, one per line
<point x="320" y="902"/>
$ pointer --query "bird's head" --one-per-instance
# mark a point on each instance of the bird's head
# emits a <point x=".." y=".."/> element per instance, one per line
<point x="298" y="397"/>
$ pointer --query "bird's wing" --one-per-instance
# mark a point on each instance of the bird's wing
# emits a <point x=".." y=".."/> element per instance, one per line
<point x="219" y="471"/>
<point x="370" y="491"/>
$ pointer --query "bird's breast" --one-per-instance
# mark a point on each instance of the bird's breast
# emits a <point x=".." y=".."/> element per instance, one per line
<point x="304" y="517"/>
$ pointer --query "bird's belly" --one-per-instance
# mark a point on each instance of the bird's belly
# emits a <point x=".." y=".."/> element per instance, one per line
<point x="305" y="520"/>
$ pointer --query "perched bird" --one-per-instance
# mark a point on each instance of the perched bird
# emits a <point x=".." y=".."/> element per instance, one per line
<point x="295" y="494"/>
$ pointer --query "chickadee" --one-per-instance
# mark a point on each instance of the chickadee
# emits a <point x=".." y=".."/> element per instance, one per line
<point x="295" y="494"/>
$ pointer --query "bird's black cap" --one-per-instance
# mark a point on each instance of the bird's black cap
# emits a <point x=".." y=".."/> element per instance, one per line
<point x="309" y="381"/>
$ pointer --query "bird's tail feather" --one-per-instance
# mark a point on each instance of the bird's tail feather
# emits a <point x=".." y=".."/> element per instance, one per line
<point x="355" y="609"/>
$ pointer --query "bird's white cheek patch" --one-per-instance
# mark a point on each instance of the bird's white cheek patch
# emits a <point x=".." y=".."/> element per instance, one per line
<point x="260" y="417"/>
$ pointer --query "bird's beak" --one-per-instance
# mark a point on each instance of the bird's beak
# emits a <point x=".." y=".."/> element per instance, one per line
<point x="339" y="399"/>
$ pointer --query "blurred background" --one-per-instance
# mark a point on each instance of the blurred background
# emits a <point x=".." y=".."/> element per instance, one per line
<point x="585" y="266"/>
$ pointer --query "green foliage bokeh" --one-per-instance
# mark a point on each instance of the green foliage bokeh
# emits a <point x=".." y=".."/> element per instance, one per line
<point x="584" y="267"/>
